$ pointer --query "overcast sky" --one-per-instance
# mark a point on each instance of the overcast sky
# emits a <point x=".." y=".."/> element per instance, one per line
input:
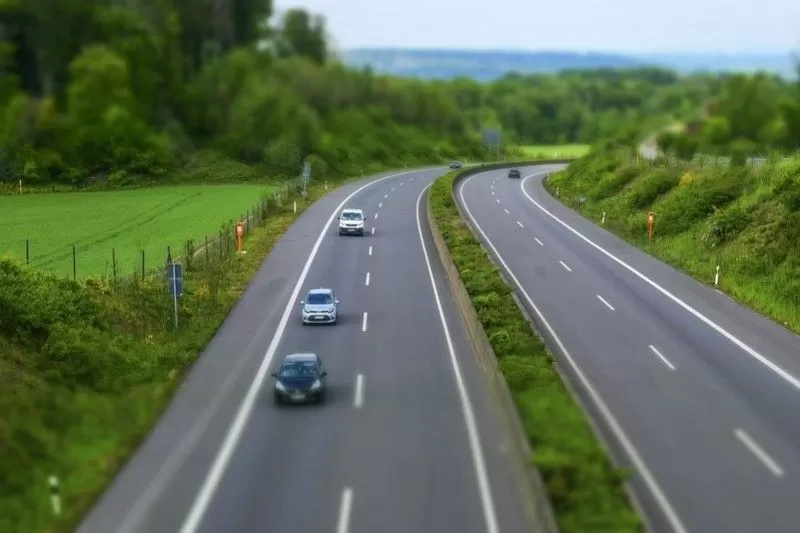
<point x="638" y="26"/>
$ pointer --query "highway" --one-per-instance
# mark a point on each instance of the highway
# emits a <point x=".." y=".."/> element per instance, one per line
<point x="408" y="439"/>
<point x="693" y="391"/>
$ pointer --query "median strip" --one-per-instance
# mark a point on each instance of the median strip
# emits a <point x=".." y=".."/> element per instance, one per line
<point x="586" y="492"/>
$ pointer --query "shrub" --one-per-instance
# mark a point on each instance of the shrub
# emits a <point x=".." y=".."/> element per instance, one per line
<point x="653" y="185"/>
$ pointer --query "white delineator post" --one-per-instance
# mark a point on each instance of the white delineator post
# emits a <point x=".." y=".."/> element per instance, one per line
<point x="294" y="206"/>
<point x="55" y="495"/>
<point x="604" y="218"/>
<point x="716" y="277"/>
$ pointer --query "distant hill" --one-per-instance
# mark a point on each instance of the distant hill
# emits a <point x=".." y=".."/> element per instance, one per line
<point x="489" y="65"/>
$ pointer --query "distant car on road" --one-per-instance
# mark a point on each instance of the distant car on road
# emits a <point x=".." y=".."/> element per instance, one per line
<point x="455" y="164"/>
<point x="320" y="306"/>
<point x="351" y="221"/>
<point x="514" y="173"/>
<point x="300" y="379"/>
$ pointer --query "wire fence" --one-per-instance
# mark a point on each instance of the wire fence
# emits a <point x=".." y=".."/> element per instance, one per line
<point x="194" y="254"/>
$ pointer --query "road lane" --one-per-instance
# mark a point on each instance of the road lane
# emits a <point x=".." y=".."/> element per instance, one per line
<point x="681" y="423"/>
<point x="390" y="450"/>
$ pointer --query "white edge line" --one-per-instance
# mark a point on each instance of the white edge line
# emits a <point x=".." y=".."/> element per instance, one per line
<point x="478" y="460"/>
<point x="358" y="401"/>
<point x="661" y="356"/>
<point x="225" y="453"/>
<point x="364" y="322"/>
<point x="759" y="452"/>
<point x="606" y="413"/>
<point x="605" y="302"/>
<point x="343" y="525"/>
<point x="538" y="241"/>
<point x="366" y="280"/>
<point x="697" y="314"/>
<point x="567" y="268"/>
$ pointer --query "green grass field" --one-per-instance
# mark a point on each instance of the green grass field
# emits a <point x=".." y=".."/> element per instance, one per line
<point x="128" y="221"/>
<point x="556" y="150"/>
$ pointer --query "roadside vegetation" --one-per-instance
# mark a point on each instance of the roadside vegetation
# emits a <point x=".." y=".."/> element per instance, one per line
<point x="86" y="367"/>
<point x="586" y="490"/>
<point x="742" y="217"/>
<point x="555" y="151"/>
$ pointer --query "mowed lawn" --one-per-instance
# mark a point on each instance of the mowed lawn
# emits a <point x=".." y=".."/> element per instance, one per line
<point x="127" y="221"/>
<point x="556" y="150"/>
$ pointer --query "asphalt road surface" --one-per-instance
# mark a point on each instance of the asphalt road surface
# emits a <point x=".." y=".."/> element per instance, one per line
<point x="408" y="440"/>
<point x="696" y="393"/>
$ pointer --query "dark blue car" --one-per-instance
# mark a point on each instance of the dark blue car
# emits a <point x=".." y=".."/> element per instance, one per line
<point x="301" y="379"/>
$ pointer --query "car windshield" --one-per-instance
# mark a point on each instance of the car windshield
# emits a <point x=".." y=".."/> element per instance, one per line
<point x="351" y="216"/>
<point x="319" y="298"/>
<point x="298" y="369"/>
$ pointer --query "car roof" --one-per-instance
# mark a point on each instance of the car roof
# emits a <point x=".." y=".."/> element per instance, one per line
<point x="351" y="210"/>
<point x="320" y="291"/>
<point x="300" y="357"/>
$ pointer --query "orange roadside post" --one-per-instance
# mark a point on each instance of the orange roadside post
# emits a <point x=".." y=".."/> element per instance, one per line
<point x="240" y="237"/>
<point x="651" y="222"/>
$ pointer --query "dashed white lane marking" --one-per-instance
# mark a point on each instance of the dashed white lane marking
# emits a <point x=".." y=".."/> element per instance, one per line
<point x="358" y="401"/>
<point x="401" y="183"/>
<point x="393" y="188"/>
<point x="789" y="378"/>
<point x="507" y="211"/>
<point x="373" y="231"/>
<point x="343" y="525"/>
<point x="566" y="267"/>
<point x="364" y="323"/>
<point x="493" y="194"/>
<point x="768" y="461"/>
<point x="520" y="224"/>
<point x="663" y="359"/>
<point x="370" y="250"/>
<point x="385" y="196"/>
<point x="380" y="204"/>
<point x="366" y="281"/>
<point x="538" y="241"/>
<point x="376" y="216"/>
<point x="604" y="301"/>
<point x="638" y="463"/>
<point x="497" y="200"/>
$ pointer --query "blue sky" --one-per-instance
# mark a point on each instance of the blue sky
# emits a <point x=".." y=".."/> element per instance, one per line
<point x="632" y="26"/>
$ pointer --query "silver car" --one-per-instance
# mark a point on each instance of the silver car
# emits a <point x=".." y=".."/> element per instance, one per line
<point x="320" y="306"/>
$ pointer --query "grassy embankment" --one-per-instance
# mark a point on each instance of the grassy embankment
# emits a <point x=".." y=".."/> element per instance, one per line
<point x="555" y="151"/>
<point x="746" y="220"/>
<point x="586" y="491"/>
<point x="86" y="367"/>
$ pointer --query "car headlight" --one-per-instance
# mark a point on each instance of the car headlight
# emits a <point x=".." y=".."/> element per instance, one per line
<point x="279" y="386"/>
<point x="316" y="385"/>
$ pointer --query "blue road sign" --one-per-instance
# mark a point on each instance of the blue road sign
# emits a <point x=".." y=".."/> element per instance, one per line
<point x="175" y="279"/>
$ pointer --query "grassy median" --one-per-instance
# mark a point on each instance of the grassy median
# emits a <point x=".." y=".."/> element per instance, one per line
<point x="586" y="490"/>
<point x="743" y="218"/>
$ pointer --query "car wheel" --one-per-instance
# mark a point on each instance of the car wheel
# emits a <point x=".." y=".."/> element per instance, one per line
<point x="321" y="398"/>
<point x="278" y="399"/>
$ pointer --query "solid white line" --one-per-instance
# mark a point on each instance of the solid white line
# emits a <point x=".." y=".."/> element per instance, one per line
<point x="226" y="451"/>
<point x="768" y="461"/>
<point x="376" y="216"/>
<point x="663" y="359"/>
<point x="604" y="410"/>
<point x="358" y="401"/>
<point x="370" y="250"/>
<point x="380" y="204"/>
<point x="520" y="224"/>
<point x="507" y="211"/>
<point x="343" y="526"/>
<point x="604" y="301"/>
<point x="697" y="314"/>
<point x="563" y="264"/>
<point x="364" y="322"/>
<point x="373" y="231"/>
<point x="366" y="281"/>
<point x="484" y="488"/>
<point x="537" y="240"/>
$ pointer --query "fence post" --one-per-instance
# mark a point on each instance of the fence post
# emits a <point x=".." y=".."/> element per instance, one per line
<point x="142" y="264"/>
<point x="27" y="251"/>
<point x="114" y="263"/>
<point x="74" y="263"/>
<point x="221" y="251"/>
<point x="207" y="258"/>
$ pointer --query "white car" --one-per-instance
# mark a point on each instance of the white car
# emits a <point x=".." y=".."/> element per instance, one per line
<point x="351" y="221"/>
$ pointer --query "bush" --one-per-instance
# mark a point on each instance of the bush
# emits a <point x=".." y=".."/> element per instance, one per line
<point x="653" y="185"/>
